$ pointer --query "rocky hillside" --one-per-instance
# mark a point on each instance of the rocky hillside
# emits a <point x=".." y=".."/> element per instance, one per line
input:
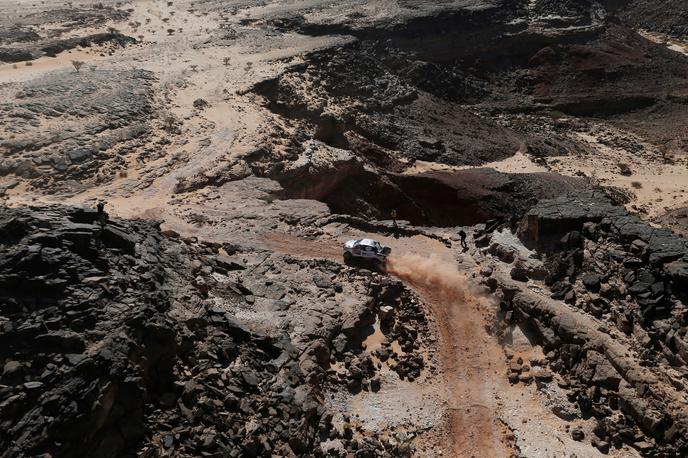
<point x="115" y="335"/>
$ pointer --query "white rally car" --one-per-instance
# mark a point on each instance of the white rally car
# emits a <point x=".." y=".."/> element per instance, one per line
<point x="365" y="250"/>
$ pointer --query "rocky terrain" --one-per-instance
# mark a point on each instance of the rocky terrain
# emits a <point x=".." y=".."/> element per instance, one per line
<point x="236" y="145"/>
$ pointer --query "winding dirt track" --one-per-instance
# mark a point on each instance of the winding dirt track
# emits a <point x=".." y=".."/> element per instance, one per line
<point x="472" y="361"/>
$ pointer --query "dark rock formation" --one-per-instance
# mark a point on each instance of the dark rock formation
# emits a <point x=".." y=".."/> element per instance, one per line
<point x="53" y="48"/>
<point x="103" y="115"/>
<point x="115" y="339"/>
<point x="84" y="349"/>
<point x="630" y="276"/>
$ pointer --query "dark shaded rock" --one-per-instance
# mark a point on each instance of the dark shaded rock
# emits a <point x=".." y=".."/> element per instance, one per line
<point x="519" y="274"/>
<point x="117" y="238"/>
<point x="577" y="434"/>
<point x="591" y="281"/>
<point x="228" y="263"/>
<point x="678" y="272"/>
<point x="200" y="104"/>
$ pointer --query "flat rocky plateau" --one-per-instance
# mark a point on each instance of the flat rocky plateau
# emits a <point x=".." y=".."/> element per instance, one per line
<point x="236" y="145"/>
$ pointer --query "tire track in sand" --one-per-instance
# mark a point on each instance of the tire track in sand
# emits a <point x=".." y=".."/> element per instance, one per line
<point x="471" y="360"/>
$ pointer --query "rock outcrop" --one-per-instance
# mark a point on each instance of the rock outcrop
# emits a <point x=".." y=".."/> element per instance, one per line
<point x="615" y="324"/>
<point x="117" y="339"/>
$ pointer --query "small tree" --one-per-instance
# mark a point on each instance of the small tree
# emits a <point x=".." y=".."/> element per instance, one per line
<point x="77" y="65"/>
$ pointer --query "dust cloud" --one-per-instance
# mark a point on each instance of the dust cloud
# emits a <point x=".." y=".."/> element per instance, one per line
<point x="434" y="277"/>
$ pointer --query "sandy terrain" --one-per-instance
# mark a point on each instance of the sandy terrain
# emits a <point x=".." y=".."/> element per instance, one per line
<point x="654" y="187"/>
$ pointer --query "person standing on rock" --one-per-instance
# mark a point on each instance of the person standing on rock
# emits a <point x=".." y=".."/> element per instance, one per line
<point x="102" y="216"/>
<point x="393" y="215"/>
<point x="462" y="236"/>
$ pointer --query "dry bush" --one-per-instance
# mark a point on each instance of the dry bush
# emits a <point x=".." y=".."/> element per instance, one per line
<point x="625" y="169"/>
<point x="77" y="64"/>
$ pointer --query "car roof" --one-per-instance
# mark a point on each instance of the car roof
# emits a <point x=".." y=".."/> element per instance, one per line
<point x="368" y="242"/>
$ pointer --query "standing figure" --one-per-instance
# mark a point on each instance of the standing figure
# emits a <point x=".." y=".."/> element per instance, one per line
<point x="393" y="215"/>
<point x="462" y="236"/>
<point x="102" y="216"/>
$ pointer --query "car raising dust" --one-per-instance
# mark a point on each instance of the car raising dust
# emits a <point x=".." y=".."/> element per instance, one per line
<point x="365" y="250"/>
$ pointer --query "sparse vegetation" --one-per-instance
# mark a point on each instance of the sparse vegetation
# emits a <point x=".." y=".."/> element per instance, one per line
<point x="625" y="169"/>
<point x="77" y="64"/>
<point x="170" y="124"/>
<point x="636" y="184"/>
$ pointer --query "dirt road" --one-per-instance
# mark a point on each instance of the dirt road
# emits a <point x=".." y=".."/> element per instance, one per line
<point x="472" y="361"/>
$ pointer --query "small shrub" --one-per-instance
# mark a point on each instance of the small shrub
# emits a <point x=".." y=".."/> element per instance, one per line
<point x="636" y="184"/>
<point x="625" y="169"/>
<point x="77" y="64"/>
